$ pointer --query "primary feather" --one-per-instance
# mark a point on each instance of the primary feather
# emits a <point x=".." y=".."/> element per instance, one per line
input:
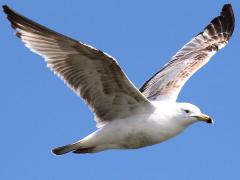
<point x="167" y="83"/>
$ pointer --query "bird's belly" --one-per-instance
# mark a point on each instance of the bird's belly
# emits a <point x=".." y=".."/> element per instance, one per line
<point x="139" y="133"/>
<point x="138" y="138"/>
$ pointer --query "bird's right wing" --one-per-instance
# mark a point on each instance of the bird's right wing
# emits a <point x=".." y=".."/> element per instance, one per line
<point x="92" y="74"/>
<point x="167" y="83"/>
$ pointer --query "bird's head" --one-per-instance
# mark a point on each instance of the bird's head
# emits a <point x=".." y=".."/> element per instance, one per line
<point x="190" y="113"/>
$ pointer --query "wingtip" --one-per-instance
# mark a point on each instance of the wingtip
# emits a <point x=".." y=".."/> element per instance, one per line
<point x="227" y="6"/>
<point x="8" y="11"/>
<point x="227" y="12"/>
<point x="223" y="23"/>
<point x="6" y="8"/>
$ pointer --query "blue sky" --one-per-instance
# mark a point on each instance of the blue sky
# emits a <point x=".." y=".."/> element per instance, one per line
<point x="38" y="112"/>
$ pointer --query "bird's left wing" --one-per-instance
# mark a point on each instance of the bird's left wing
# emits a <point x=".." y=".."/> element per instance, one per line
<point x="92" y="74"/>
<point x="167" y="83"/>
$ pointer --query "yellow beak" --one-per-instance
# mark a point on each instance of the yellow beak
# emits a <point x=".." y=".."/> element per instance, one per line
<point x="205" y="118"/>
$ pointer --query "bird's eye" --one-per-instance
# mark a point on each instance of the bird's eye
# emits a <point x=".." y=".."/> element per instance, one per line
<point x="187" y="111"/>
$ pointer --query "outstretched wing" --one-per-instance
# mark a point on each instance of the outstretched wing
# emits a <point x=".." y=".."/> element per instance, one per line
<point x="167" y="83"/>
<point x="92" y="74"/>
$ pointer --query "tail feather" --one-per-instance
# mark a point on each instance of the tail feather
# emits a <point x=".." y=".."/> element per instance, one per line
<point x="84" y="150"/>
<point x="65" y="149"/>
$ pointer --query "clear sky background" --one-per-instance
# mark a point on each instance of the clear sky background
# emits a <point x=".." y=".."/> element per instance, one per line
<point x="38" y="112"/>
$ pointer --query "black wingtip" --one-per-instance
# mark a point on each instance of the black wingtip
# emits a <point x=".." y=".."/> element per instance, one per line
<point x="224" y="23"/>
<point x="10" y="12"/>
<point x="6" y="8"/>
<point x="11" y="15"/>
<point x="227" y="12"/>
<point x="226" y="6"/>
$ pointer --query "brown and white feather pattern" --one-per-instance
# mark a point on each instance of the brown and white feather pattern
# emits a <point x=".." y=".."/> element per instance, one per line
<point x="92" y="74"/>
<point x="167" y="83"/>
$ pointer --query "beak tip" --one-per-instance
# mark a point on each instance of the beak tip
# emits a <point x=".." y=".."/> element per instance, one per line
<point x="205" y="118"/>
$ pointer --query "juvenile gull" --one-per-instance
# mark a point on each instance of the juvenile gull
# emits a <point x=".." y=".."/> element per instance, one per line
<point x="127" y="118"/>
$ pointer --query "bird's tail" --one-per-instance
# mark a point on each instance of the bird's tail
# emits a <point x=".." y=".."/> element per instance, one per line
<point x="65" y="149"/>
<point x="75" y="148"/>
<point x="85" y="145"/>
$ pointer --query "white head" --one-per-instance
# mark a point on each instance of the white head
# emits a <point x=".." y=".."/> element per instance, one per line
<point x="188" y="113"/>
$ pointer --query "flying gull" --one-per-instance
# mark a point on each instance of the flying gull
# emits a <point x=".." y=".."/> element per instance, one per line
<point x="126" y="118"/>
